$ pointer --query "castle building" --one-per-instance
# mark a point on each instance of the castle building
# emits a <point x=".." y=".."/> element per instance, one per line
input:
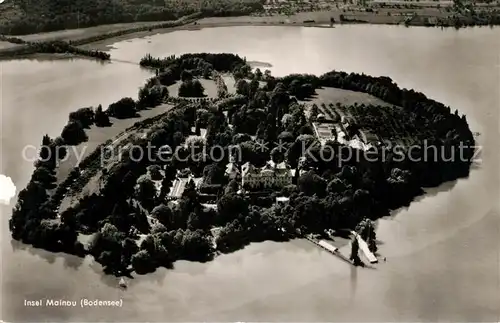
<point x="272" y="175"/>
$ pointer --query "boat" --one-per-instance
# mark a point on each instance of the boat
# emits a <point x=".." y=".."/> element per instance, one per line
<point x="122" y="283"/>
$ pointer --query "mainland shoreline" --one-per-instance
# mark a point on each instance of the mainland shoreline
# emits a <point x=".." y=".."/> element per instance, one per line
<point x="88" y="38"/>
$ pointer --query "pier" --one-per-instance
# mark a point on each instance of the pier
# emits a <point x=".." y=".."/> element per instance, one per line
<point x="364" y="248"/>
<point x="327" y="246"/>
<point x="323" y="244"/>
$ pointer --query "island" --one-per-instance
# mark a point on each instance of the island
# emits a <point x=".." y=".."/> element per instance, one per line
<point x="214" y="155"/>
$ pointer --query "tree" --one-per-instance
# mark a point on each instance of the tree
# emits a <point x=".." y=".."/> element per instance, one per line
<point x="73" y="133"/>
<point x="286" y="137"/>
<point x="44" y="176"/>
<point x="101" y="119"/>
<point x="336" y="185"/>
<point x="253" y="87"/>
<point x="267" y="75"/>
<point x="302" y="144"/>
<point x="277" y="155"/>
<point x="242" y="87"/>
<point x="195" y="245"/>
<point x="83" y="115"/>
<point x="191" y="88"/>
<point x="142" y="262"/>
<point x="258" y="74"/>
<point x="123" y="109"/>
<point x="166" y="183"/>
<point x="146" y="192"/>
<point x="202" y="117"/>
<point x="129" y="248"/>
<point x="314" y="111"/>
<point x="177" y="138"/>
<point x="45" y="149"/>
<point x="311" y="184"/>
<point x="158" y="228"/>
<point x="186" y="76"/>
<point x="255" y="153"/>
<point x="207" y="72"/>
<point x="229" y="207"/>
<point x="154" y="172"/>
<point x="163" y="214"/>
<point x="106" y="247"/>
<point x="152" y="96"/>
<point x="231" y="237"/>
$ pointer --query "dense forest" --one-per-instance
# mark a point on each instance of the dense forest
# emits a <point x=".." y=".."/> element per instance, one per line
<point x="136" y="228"/>
<point x="19" y="17"/>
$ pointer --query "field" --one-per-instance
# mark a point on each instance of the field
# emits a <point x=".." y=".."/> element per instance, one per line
<point x="344" y="97"/>
<point x="320" y="18"/>
<point x="378" y="121"/>
<point x="81" y="33"/>
<point x="334" y="126"/>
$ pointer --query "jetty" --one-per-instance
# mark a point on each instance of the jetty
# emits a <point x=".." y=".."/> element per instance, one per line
<point x="323" y="244"/>
<point x="364" y="248"/>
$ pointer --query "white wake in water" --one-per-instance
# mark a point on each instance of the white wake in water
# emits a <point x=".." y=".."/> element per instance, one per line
<point x="7" y="189"/>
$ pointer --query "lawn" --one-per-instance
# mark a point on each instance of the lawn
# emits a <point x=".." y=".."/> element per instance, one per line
<point x="344" y="97"/>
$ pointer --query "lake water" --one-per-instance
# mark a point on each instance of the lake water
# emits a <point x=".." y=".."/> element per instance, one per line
<point x="442" y="252"/>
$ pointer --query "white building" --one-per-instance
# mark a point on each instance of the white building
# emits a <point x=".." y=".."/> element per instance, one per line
<point x="271" y="175"/>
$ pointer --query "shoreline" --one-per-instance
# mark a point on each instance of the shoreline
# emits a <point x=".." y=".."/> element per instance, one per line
<point x="295" y="265"/>
<point x="106" y="44"/>
<point x="320" y="19"/>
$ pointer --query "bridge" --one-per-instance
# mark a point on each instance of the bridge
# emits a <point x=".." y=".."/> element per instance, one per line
<point x="117" y="60"/>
